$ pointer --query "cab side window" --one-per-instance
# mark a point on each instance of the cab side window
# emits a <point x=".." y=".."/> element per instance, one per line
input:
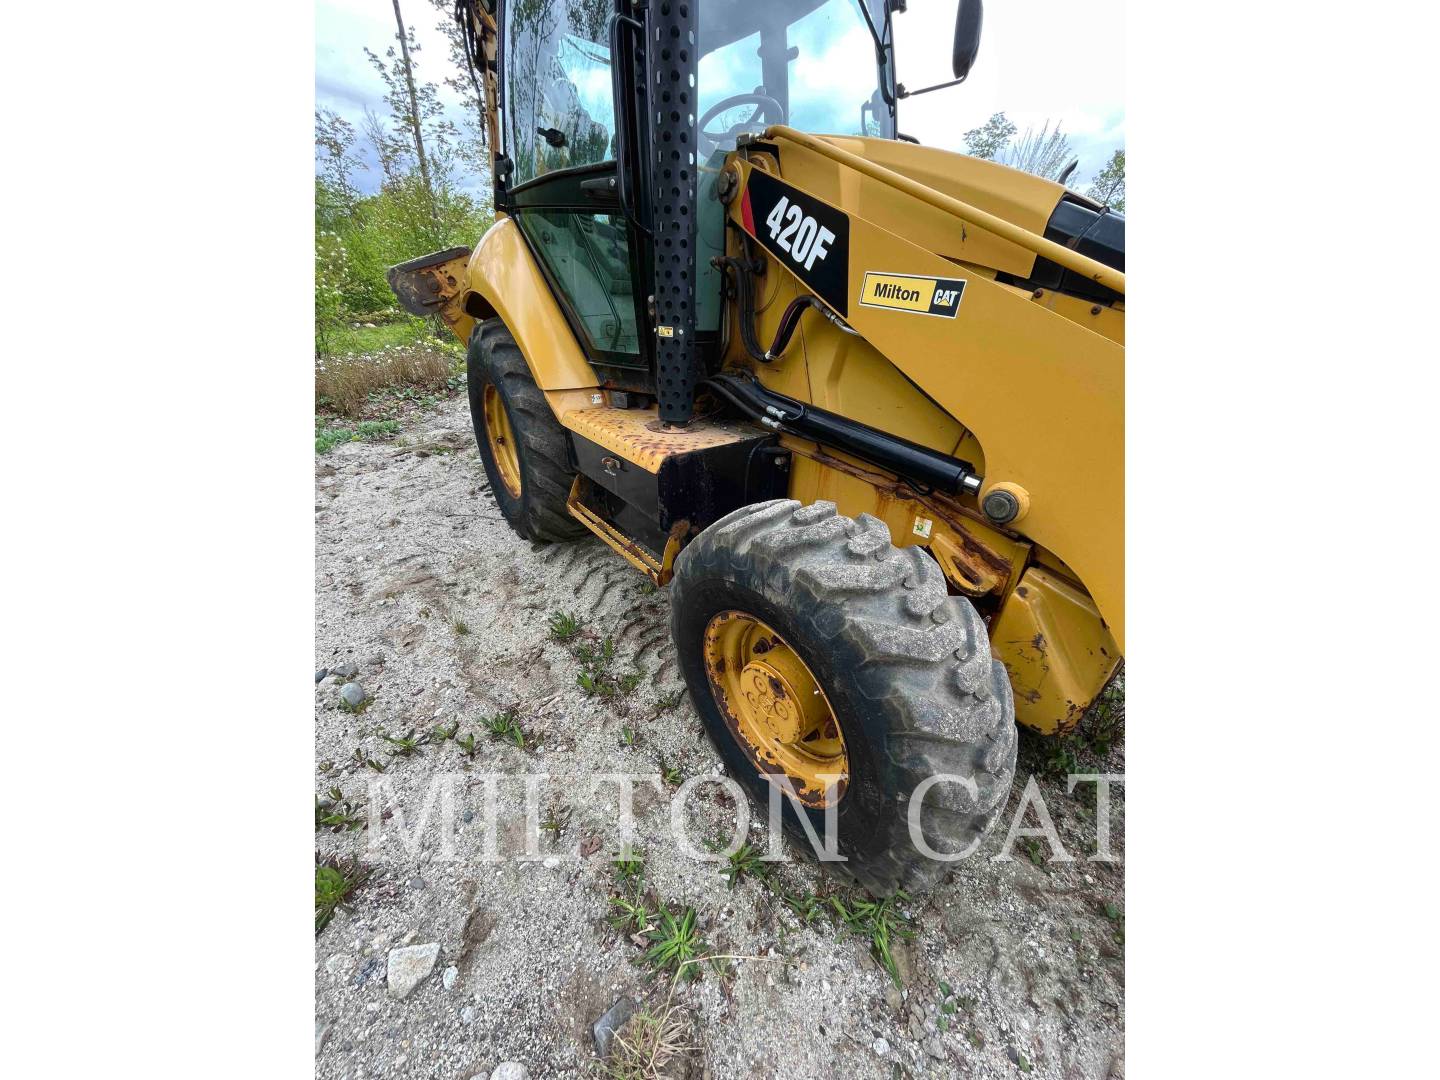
<point x="588" y="257"/>
<point x="559" y="108"/>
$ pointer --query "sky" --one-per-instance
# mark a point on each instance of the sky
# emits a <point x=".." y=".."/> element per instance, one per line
<point x="1039" y="60"/>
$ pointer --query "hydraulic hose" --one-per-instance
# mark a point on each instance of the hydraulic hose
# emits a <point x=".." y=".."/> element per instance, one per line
<point x="916" y="463"/>
<point x="747" y="305"/>
<point x="789" y="320"/>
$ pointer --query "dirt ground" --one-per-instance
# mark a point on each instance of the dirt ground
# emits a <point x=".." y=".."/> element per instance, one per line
<point x="422" y="585"/>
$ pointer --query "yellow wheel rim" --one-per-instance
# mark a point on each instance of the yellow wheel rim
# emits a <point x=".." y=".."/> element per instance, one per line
<point x="775" y="707"/>
<point x="502" y="440"/>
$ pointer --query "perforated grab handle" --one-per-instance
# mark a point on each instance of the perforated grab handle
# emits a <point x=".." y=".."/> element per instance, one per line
<point x="673" y="204"/>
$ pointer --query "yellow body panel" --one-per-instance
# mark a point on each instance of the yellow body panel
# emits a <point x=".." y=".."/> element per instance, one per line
<point x="1026" y="386"/>
<point x="1057" y="650"/>
<point x="505" y="274"/>
<point x="1042" y="395"/>
<point x="844" y="374"/>
<point x="1016" y="196"/>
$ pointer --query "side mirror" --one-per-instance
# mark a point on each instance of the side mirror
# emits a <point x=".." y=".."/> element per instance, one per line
<point x="968" y="17"/>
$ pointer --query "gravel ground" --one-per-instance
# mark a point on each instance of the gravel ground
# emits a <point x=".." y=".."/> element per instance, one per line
<point x="422" y="586"/>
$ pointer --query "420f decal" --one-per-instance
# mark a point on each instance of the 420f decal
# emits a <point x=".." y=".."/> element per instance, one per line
<point x="809" y="237"/>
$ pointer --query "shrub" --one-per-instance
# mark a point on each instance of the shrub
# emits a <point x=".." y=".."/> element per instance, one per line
<point x="345" y="383"/>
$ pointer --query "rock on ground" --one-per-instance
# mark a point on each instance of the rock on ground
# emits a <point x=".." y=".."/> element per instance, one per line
<point x="408" y="966"/>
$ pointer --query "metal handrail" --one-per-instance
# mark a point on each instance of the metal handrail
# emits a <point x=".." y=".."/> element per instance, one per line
<point x="1069" y="258"/>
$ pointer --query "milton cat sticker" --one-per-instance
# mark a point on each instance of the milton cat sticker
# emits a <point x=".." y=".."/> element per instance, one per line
<point x="809" y="237"/>
<point x="908" y="292"/>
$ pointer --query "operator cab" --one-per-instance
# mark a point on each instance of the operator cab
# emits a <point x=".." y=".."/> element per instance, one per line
<point x="575" y="143"/>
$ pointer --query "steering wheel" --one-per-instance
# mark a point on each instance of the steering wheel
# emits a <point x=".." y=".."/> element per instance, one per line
<point x="764" y="105"/>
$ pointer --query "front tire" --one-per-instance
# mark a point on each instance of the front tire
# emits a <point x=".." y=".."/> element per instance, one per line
<point x="904" y="667"/>
<point x="520" y="441"/>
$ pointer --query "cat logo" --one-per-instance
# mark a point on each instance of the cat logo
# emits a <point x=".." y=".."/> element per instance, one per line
<point x="907" y="292"/>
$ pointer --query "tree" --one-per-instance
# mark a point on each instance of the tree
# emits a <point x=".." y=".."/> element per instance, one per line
<point x="414" y="115"/>
<point x="990" y="138"/>
<point x="334" y="138"/>
<point x="1108" y="187"/>
<point x="1045" y="153"/>
<point x="465" y="85"/>
<point x="419" y="129"/>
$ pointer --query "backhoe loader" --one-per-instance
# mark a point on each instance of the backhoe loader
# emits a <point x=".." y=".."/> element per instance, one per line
<point x="857" y="401"/>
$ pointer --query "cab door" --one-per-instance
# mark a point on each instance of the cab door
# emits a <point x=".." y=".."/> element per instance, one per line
<point x="560" y="135"/>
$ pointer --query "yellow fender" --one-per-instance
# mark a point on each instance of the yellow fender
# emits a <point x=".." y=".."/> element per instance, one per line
<point x="500" y="279"/>
<point x="504" y="280"/>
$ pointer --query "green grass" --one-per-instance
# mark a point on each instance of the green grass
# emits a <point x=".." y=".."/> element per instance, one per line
<point x="407" y="330"/>
<point x="1033" y="850"/>
<point x="336" y="880"/>
<point x="555" y="821"/>
<point x="744" y="862"/>
<point x="594" y="657"/>
<point x="564" y="626"/>
<point x="327" y="437"/>
<point x="881" y="922"/>
<point x="949" y="1002"/>
<point x="405" y="745"/>
<point x="629" y="868"/>
<point x="671" y="774"/>
<point x="1117" y="918"/>
<point x="807" y="906"/>
<point x="676" y="944"/>
<point x="505" y="725"/>
<point x="361" y="759"/>
<point x="1104" y="724"/>
<point x="628" y="916"/>
<point x="335" y="812"/>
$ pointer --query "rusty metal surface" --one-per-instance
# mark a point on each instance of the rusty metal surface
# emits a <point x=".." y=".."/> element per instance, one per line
<point x="973" y="567"/>
<point x="1056" y="648"/>
<point x="629" y="433"/>
<point x="659" y="572"/>
<point x="629" y="549"/>
<point x="432" y="284"/>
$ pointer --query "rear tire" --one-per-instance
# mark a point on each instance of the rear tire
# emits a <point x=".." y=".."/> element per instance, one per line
<point x="538" y="511"/>
<point x="906" y="669"/>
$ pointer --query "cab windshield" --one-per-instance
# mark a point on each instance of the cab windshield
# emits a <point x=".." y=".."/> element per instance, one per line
<point x="807" y="63"/>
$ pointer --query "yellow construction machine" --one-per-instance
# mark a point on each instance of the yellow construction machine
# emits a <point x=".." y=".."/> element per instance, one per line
<point x="857" y="401"/>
